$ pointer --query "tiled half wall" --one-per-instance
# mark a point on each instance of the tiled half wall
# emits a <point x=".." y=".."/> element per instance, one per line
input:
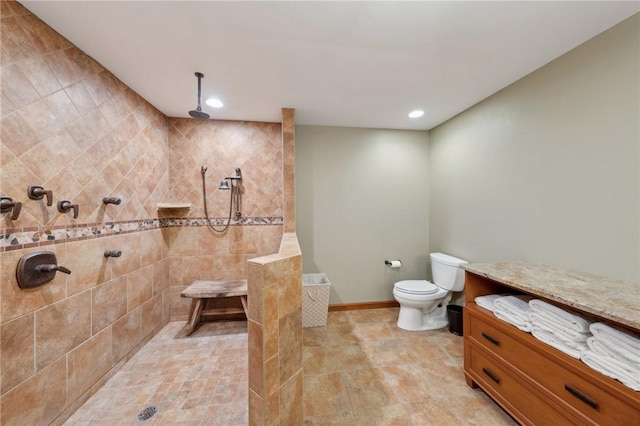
<point x="275" y="336"/>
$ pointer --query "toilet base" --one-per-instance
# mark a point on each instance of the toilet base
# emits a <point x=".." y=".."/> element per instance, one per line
<point x="414" y="319"/>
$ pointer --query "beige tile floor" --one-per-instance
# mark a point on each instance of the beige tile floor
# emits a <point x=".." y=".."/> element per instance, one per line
<point x="196" y="380"/>
<point x="359" y="370"/>
<point x="363" y="370"/>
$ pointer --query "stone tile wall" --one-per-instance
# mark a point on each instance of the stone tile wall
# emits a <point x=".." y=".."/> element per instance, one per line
<point x="222" y="146"/>
<point x="69" y="125"/>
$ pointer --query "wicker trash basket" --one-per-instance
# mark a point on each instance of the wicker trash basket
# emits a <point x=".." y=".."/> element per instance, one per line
<point x="315" y="300"/>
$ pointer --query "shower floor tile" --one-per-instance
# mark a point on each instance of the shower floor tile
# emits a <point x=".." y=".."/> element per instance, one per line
<point x="360" y="369"/>
<point x="196" y="380"/>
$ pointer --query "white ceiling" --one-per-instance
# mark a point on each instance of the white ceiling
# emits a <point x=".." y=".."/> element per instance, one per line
<point x="360" y="64"/>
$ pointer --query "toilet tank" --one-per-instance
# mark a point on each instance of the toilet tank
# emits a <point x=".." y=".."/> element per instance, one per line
<point x="446" y="271"/>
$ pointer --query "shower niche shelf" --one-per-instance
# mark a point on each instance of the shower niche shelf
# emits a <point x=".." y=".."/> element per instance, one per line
<point x="167" y="206"/>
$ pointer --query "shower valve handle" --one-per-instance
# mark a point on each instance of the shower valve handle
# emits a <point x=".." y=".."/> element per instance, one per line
<point x="52" y="267"/>
<point x="64" y="206"/>
<point x="8" y="205"/>
<point x="36" y="192"/>
<point x="112" y="200"/>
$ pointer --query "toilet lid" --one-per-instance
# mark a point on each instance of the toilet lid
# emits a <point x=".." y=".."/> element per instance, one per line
<point x="416" y="287"/>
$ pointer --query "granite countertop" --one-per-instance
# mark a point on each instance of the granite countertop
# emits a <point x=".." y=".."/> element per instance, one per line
<point x="614" y="300"/>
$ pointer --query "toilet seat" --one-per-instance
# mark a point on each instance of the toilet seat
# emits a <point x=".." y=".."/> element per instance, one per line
<point x="416" y="287"/>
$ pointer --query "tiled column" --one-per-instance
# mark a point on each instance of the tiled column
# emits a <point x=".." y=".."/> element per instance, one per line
<point x="289" y="168"/>
<point x="275" y="336"/>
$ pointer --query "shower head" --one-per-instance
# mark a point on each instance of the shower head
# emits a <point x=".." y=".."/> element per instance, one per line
<point x="224" y="185"/>
<point x="198" y="113"/>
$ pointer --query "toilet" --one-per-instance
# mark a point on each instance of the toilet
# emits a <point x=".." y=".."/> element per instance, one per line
<point x="423" y="305"/>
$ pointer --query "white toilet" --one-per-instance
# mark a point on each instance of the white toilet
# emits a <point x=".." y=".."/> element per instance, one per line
<point x="423" y="305"/>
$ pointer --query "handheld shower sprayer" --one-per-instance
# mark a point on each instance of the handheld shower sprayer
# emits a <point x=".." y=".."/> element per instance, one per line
<point x="226" y="184"/>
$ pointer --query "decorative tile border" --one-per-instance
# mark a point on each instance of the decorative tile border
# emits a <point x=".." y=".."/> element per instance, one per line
<point x="244" y="221"/>
<point x="36" y="236"/>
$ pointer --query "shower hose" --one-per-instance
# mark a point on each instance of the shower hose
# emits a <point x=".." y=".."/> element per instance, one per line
<point x="203" y="171"/>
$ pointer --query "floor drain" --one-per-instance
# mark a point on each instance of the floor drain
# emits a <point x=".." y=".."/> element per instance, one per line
<point x="147" y="413"/>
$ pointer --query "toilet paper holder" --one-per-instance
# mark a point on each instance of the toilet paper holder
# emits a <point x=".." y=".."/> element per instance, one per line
<point x="393" y="263"/>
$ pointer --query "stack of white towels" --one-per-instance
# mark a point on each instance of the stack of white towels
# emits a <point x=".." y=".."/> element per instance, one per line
<point x="614" y="353"/>
<point x="509" y="308"/>
<point x="559" y="328"/>
<point x="554" y="326"/>
<point x="605" y="349"/>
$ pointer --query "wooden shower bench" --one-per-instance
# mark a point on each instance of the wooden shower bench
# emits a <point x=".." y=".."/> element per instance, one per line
<point x="201" y="290"/>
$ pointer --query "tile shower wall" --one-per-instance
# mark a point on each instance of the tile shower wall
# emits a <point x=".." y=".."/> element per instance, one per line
<point x="196" y="252"/>
<point x="69" y="125"/>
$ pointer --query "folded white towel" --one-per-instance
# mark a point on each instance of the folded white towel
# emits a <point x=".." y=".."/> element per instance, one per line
<point x="573" y="349"/>
<point x="600" y="347"/>
<point x="565" y="318"/>
<point x="487" y="301"/>
<point x="515" y="304"/>
<point x="611" y="367"/>
<point x="524" y="325"/>
<point x="546" y="323"/>
<point x="624" y="344"/>
<point x="514" y="310"/>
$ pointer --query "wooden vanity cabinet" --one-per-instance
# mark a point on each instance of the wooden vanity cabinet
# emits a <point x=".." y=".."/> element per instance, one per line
<point x="535" y="383"/>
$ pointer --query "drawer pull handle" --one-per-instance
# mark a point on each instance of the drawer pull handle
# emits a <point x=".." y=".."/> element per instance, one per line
<point x="493" y="376"/>
<point x="491" y="338"/>
<point x="584" y="398"/>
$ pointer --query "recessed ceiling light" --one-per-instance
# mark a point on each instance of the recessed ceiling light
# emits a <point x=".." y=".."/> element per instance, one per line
<point x="214" y="103"/>
<point x="416" y="113"/>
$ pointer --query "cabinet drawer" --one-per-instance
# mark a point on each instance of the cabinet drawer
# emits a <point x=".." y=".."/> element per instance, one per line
<point x="495" y="339"/>
<point x="528" y="406"/>
<point x="570" y="381"/>
<point x="584" y="396"/>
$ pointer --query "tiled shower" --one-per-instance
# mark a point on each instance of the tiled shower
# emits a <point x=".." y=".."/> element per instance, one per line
<point x="70" y="126"/>
<point x="221" y="145"/>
